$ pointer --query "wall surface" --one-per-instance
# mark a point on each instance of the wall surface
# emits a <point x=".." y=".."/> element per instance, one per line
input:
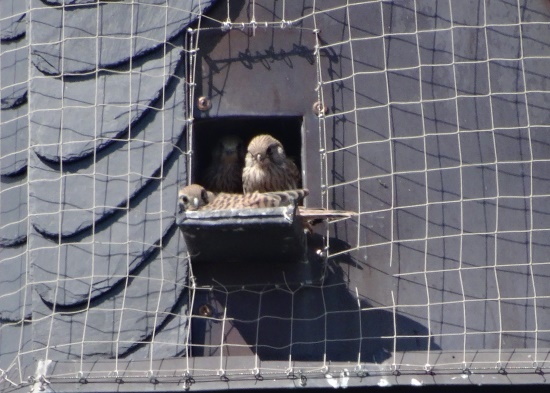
<point x="436" y="136"/>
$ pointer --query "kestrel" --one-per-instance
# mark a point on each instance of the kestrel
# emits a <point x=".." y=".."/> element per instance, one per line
<point x="267" y="167"/>
<point x="195" y="197"/>
<point x="224" y="174"/>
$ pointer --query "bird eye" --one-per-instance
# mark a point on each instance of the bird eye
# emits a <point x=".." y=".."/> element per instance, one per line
<point x="269" y="150"/>
<point x="184" y="199"/>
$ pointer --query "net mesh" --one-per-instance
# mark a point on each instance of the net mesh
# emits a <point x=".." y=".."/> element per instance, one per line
<point x="435" y="136"/>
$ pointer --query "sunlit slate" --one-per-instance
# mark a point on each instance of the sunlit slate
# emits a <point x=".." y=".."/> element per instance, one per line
<point x="129" y="313"/>
<point x="13" y="210"/>
<point x="91" y="190"/>
<point x="13" y="88"/>
<point x="436" y="135"/>
<point x="13" y="23"/>
<point x="91" y="111"/>
<point x="125" y="31"/>
<point x="14" y="144"/>
<point x="97" y="260"/>
<point x="13" y="85"/>
<point x="15" y="304"/>
<point x="103" y="191"/>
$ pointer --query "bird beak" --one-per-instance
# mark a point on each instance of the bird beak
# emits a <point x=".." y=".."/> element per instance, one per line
<point x="196" y="202"/>
<point x="259" y="157"/>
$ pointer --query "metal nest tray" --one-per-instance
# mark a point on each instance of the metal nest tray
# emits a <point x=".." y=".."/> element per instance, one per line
<point x="253" y="234"/>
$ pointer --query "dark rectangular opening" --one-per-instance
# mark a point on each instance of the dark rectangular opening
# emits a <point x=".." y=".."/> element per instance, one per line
<point x="208" y="132"/>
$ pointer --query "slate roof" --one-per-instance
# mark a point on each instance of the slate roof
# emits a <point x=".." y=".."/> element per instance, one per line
<point x="436" y="135"/>
<point x="121" y="106"/>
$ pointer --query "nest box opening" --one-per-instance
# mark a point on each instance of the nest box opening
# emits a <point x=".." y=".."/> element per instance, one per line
<point x="208" y="132"/>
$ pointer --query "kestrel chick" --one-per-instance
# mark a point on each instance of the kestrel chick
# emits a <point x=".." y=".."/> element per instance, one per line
<point x="196" y="197"/>
<point x="256" y="200"/>
<point x="193" y="197"/>
<point x="224" y="174"/>
<point x="267" y="167"/>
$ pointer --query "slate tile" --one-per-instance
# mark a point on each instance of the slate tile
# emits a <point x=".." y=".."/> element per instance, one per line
<point x="404" y="86"/>
<point x="514" y="179"/>
<point x="510" y="110"/>
<point x="478" y="251"/>
<point x="535" y="40"/>
<point x="399" y="17"/>
<point x="502" y="12"/>
<point x="92" y="111"/>
<point x="116" y="323"/>
<point x="68" y="2"/>
<point x="14" y="140"/>
<point x="13" y="210"/>
<point x="472" y="78"/>
<point x="540" y="207"/>
<point x="87" y="191"/>
<point x="170" y="340"/>
<point x="469" y="44"/>
<point x="512" y="248"/>
<point x="435" y="47"/>
<point x="443" y="253"/>
<point x="474" y="113"/>
<point x="13" y="23"/>
<point x="534" y="11"/>
<point x="540" y="142"/>
<point x="433" y="14"/>
<point x="15" y="340"/>
<point x="406" y="119"/>
<point x="86" y="266"/>
<point x="376" y="194"/>
<point x="514" y="144"/>
<point x="442" y="151"/>
<point x="440" y="116"/>
<point x="375" y="158"/>
<point x="444" y="185"/>
<point x="539" y="108"/>
<point x="365" y="20"/>
<point x="468" y="12"/>
<point x="536" y="75"/>
<point x="444" y="219"/>
<point x="14" y="75"/>
<point x="408" y="154"/>
<point x="438" y="82"/>
<point x="409" y="223"/>
<point x="401" y="51"/>
<point x="350" y="64"/>
<point x="514" y="214"/>
<point x="123" y="31"/>
<point x="410" y="190"/>
<point x="477" y="147"/>
<point x="479" y="181"/>
<point x="479" y="216"/>
<point x="15" y="284"/>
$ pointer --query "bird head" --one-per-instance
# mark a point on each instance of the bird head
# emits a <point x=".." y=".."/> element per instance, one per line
<point x="192" y="197"/>
<point x="229" y="150"/>
<point x="264" y="150"/>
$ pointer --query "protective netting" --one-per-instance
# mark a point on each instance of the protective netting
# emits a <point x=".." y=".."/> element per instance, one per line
<point x="436" y="135"/>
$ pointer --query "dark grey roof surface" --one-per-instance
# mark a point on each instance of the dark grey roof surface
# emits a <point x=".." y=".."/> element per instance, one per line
<point x="437" y="135"/>
<point x="120" y="154"/>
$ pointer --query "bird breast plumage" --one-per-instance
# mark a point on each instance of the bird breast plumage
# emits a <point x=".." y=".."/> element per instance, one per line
<point x="269" y="177"/>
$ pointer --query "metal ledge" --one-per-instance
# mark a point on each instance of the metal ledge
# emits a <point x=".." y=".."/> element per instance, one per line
<point x="245" y="235"/>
